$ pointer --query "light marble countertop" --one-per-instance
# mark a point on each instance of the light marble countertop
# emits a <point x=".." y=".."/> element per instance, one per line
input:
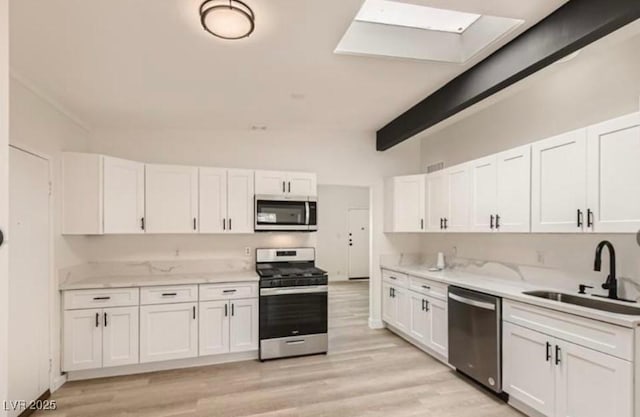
<point x="512" y="290"/>
<point x="160" y="279"/>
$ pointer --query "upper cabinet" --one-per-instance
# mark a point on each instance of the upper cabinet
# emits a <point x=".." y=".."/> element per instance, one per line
<point x="405" y="204"/>
<point x="447" y="200"/>
<point x="226" y="200"/>
<point x="123" y="196"/>
<point x="286" y="183"/>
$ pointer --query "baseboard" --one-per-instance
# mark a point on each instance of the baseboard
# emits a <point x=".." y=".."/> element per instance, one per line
<point x="58" y="382"/>
<point x="161" y="366"/>
<point x="375" y="324"/>
<point x="416" y="344"/>
<point x="523" y="408"/>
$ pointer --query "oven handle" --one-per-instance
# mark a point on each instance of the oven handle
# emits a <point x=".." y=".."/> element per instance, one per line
<point x="475" y="303"/>
<point x="294" y="290"/>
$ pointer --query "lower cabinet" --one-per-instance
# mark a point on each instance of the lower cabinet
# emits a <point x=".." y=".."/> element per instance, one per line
<point x="562" y="379"/>
<point x="168" y="331"/>
<point x="228" y="326"/>
<point x="97" y="338"/>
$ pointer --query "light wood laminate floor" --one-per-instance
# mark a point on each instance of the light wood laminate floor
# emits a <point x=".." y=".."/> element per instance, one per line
<point x="367" y="373"/>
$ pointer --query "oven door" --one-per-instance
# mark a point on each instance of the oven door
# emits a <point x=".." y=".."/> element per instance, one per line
<point x="279" y="214"/>
<point x="293" y="311"/>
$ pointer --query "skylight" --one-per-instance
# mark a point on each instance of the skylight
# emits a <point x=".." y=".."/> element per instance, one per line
<point x="415" y="16"/>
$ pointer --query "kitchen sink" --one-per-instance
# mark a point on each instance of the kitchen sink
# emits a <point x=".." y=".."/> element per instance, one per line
<point x="586" y="302"/>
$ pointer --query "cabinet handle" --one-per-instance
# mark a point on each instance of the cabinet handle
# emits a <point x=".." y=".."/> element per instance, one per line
<point x="491" y="222"/>
<point x="548" y="351"/>
<point x="497" y="221"/>
<point x="445" y="223"/>
<point x="441" y="223"/>
<point x="421" y="224"/>
<point x="558" y="353"/>
<point x="194" y="223"/>
<point x="393" y="292"/>
<point x="589" y="218"/>
<point x="224" y="224"/>
<point x="228" y="291"/>
<point x="233" y="310"/>
<point x="1" y="238"/>
<point x="579" y="219"/>
<point x="142" y="223"/>
<point x="283" y="189"/>
<point x="101" y="298"/>
<point x="289" y="184"/>
<point x="105" y="319"/>
<point x="426" y="305"/>
<point x="426" y="287"/>
<point x="97" y="319"/>
<point x="194" y="312"/>
<point x="169" y="294"/>
<point x="226" y="312"/>
<point x="230" y="224"/>
<point x="392" y="277"/>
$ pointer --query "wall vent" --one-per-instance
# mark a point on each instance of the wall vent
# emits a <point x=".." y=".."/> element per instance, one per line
<point x="435" y="167"/>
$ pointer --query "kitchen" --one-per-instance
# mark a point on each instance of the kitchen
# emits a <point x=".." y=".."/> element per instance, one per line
<point x="169" y="162"/>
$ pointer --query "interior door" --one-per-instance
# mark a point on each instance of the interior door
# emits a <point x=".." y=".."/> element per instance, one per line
<point x="168" y="331"/>
<point x="212" y="200"/>
<point x="29" y="275"/>
<point x="514" y="190"/>
<point x="358" y="243"/>
<point x="82" y="340"/>
<point x="614" y="175"/>
<point x="559" y="183"/>
<point x="302" y="184"/>
<point x="171" y="198"/>
<point x="120" y="336"/>
<point x="240" y="201"/>
<point x="271" y="182"/>
<point x="244" y="325"/>
<point x="457" y="204"/>
<point x="419" y="322"/>
<point x="123" y="198"/>
<point x="409" y="209"/>
<point x="214" y="327"/>
<point x="483" y="194"/>
<point x="435" y="201"/>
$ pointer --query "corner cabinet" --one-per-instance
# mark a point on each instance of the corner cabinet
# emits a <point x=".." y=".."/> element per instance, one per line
<point x="286" y="183"/>
<point x="405" y="203"/>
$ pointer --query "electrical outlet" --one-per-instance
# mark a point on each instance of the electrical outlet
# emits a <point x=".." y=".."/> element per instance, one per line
<point x="247" y="251"/>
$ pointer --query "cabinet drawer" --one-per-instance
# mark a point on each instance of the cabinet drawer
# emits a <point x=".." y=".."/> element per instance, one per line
<point x="428" y="287"/>
<point x="169" y="294"/>
<point x="396" y="278"/>
<point x="112" y="297"/>
<point x="210" y="292"/>
<point x="602" y="337"/>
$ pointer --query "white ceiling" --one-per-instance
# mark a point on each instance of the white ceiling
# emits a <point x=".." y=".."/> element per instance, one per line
<point x="148" y="64"/>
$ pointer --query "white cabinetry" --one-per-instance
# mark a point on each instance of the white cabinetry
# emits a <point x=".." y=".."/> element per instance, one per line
<point x="171" y="193"/>
<point x="447" y="200"/>
<point x="226" y="200"/>
<point x="244" y="325"/>
<point x="168" y="331"/>
<point x="214" y="327"/>
<point x="120" y="336"/>
<point x="286" y="183"/>
<point x="436" y="201"/>
<point x="123" y="196"/>
<point x="405" y="203"/>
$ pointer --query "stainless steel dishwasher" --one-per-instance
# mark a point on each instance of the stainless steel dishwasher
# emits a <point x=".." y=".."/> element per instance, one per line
<point x="475" y="336"/>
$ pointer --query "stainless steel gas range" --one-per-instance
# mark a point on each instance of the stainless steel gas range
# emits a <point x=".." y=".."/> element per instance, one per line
<point x="293" y="303"/>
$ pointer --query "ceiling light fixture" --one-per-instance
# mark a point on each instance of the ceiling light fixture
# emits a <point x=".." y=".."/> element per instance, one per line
<point x="227" y="19"/>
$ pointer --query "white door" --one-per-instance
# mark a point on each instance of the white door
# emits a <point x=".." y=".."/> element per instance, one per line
<point x="171" y="198"/>
<point x="408" y="200"/>
<point x="240" y="201"/>
<point x="438" y="336"/>
<point x="358" y="243"/>
<point x="419" y="322"/>
<point x="214" y="327"/>
<point x="212" y="200"/>
<point x="389" y="305"/>
<point x="514" y="190"/>
<point x="484" y="194"/>
<point x="436" y="201"/>
<point x="29" y="275"/>
<point x="271" y="182"/>
<point x="559" y="183"/>
<point x="592" y="384"/>
<point x="120" y="336"/>
<point x="168" y="331"/>
<point x="82" y="340"/>
<point x="614" y="175"/>
<point x="403" y="303"/>
<point x="528" y="369"/>
<point x="302" y="184"/>
<point x="457" y="203"/>
<point x="123" y="198"/>
<point x="4" y="193"/>
<point x="244" y="325"/>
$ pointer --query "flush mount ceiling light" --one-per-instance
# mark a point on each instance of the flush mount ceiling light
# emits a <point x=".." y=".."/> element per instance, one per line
<point x="227" y="19"/>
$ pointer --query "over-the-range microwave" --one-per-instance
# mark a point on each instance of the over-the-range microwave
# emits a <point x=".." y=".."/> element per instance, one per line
<point x="277" y="213"/>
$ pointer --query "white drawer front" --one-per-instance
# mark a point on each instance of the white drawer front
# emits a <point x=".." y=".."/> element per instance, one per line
<point x="209" y="292"/>
<point x="169" y="294"/>
<point x="112" y="297"/>
<point x="428" y="287"/>
<point x="602" y="337"/>
<point x="395" y="278"/>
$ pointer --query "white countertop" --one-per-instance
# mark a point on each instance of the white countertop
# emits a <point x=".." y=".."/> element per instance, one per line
<point x="156" y="279"/>
<point x="512" y="290"/>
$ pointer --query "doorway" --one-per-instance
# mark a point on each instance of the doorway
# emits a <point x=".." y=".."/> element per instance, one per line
<point x="358" y="243"/>
<point x="29" y="275"/>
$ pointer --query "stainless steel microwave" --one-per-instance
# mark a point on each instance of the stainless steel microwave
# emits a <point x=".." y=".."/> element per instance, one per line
<point x="276" y="213"/>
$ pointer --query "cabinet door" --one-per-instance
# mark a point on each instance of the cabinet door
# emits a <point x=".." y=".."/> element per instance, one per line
<point x="403" y="306"/>
<point x="302" y="184"/>
<point x="214" y="327"/>
<point x="82" y="340"/>
<point x="120" y="336"/>
<point x="458" y="201"/>
<point x="240" y="201"/>
<point x="614" y="174"/>
<point x="408" y="203"/>
<point x="592" y="384"/>
<point x="212" y="200"/>
<point x="123" y="196"/>
<point x="244" y="325"/>
<point x="559" y="183"/>
<point x="435" y="201"/>
<point x="514" y="190"/>
<point x="528" y="370"/>
<point x="419" y="323"/>
<point x="389" y="305"/>
<point x="171" y="198"/>
<point x="168" y="331"/>
<point x="484" y="193"/>
<point x="271" y="182"/>
<point x="438" y="336"/>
